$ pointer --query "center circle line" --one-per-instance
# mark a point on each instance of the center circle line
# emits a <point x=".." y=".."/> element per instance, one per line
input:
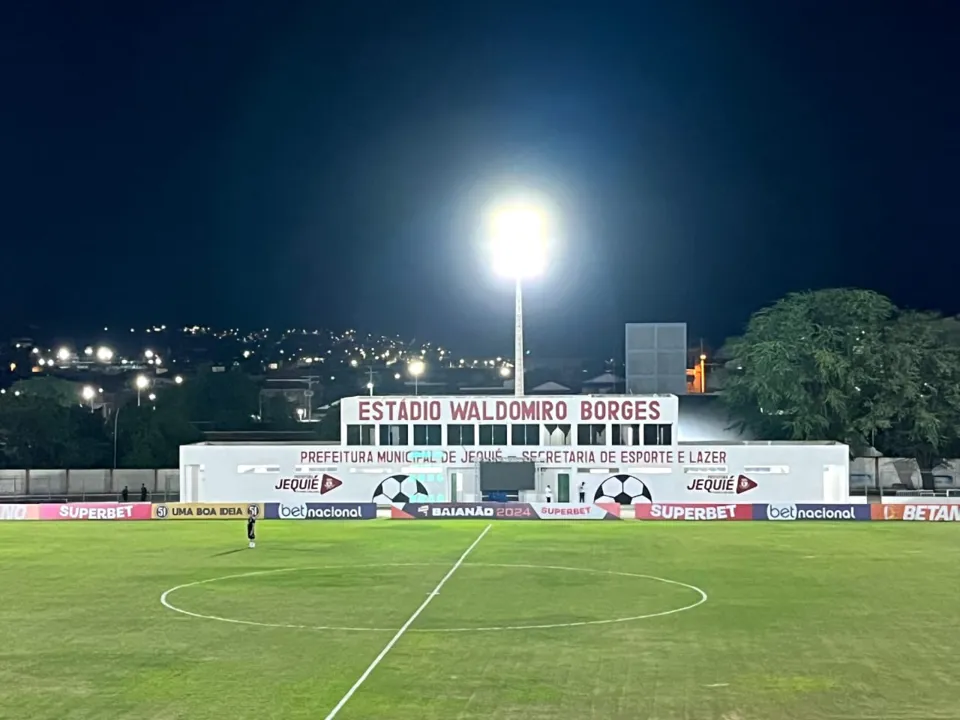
<point x="164" y="599"/>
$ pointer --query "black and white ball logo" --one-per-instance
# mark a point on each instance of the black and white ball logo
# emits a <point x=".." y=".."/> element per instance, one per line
<point x="623" y="490"/>
<point x="398" y="489"/>
<point x="162" y="511"/>
<point x="253" y="510"/>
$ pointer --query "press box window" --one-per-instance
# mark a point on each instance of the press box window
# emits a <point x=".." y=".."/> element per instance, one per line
<point x="657" y="434"/>
<point x="525" y="435"/>
<point x="625" y="435"/>
<point x="394" y="435"/>
<point x="461" y="435"/>
<point x="591" y="434"/>
<point x="360" y="435"/>
<point x="493" y="434"/>
<point x="427" y="435"/>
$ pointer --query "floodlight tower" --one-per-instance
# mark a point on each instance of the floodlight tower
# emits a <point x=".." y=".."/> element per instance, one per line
<point x="519" y="252"/>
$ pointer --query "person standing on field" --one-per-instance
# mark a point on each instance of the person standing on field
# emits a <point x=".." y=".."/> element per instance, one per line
<point x="252" y="528"/>
<point x="549" y="494"/>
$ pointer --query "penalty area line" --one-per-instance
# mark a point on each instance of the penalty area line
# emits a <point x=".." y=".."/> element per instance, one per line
<point x="406" y="626"/>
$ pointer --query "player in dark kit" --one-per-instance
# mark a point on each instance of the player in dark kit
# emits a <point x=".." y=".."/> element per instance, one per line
<point x="252" y="529"/>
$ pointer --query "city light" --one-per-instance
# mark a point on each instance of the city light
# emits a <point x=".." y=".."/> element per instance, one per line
<point x="178" y="380"/>
<point x="151" y="397"/>
<point x="142" y="382"/>
<point x="148" y="354"/>
<point x="88" y="351"/>
<point x="104" y="354"/>
<point x="504" y="371"/>
<point x="63" y="354"/>
<point x="88" y="393"/>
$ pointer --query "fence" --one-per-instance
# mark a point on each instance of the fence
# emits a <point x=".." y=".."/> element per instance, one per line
<point x="87" y="485"/>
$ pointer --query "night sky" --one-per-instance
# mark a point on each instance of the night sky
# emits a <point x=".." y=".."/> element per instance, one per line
<point x="265" y="163"/>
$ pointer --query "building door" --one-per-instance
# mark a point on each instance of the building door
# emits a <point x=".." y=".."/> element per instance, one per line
<point x="563" y="487"/>
<point x="454" y="481"/>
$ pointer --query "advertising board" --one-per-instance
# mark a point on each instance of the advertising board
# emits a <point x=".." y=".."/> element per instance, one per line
<point x="504" y="511"/>
<point x="790" y="511"/>
<point x="320" y="511"/>
<point x="916" y="512"/>
<point x="19" y="512"/>
<point x="96" y="511"/>
<point x="206" y="511"/>
<point x="687" y="511"/>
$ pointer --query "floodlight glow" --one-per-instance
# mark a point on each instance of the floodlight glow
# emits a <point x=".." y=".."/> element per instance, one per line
<point x="88" y="393"/>
<point x="178" y="380"/>
<point x="519" y="240"/>
<point x="104" y="354"/>
<point x="142" y="382"/>
<point x="63" y="354"/>
<point x="416" y="368"/>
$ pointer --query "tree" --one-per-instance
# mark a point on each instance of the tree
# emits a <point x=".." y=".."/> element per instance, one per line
<point x="812" y="367"/>
<point x="61" y="391"/>
<point x="226" y="400"/>
<point x="151" y="436"/>
<point x="926" y="359"/>
<point x="38" y="431"/>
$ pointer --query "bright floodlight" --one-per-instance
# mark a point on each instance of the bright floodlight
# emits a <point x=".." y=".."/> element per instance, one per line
<point x="104" y="354"/>
<point x="142" y="382"/>
<point x="63" y="354"/>
<point x="88" y="393"/>
<point x="519" y="240"/>
<point x="416" y="368"/>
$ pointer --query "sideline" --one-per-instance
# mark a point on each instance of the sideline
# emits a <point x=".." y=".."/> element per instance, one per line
<point x="393" y="641"/>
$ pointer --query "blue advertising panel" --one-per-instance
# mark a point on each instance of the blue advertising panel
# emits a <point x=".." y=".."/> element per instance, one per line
<point x="787" y="511"/>
<point x="320" y="511"/>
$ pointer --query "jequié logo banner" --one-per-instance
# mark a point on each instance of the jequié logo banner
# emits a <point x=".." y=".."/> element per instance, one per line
<point x="96" y="511"/>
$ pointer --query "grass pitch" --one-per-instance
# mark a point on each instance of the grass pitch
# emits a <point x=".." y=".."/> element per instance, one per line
<point x="803" y="621"/>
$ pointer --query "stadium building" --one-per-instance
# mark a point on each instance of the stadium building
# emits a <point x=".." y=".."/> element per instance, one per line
<point x="623" y="448"/>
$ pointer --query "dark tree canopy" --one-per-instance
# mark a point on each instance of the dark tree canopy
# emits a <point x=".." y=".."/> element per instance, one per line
<point x="847" y="365"/>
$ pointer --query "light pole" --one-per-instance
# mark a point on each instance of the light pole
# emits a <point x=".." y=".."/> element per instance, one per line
<point x="116" y="418"/>
<point x="142" y="383"/>
<point x="416" y="369"/>
<point x="519" y="240"/>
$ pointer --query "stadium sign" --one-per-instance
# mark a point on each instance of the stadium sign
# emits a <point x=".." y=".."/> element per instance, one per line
<point x="320" y="511"/>
<point x="206" y="511"/>
<point x="519" y="410"/>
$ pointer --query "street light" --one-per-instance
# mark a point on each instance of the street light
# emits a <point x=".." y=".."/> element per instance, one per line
<point x="142" y="383"/>
<point x="178" y="379"/>
<point x="519" y="244"/>
<point x="370" y="387"/>
<point x="88" y="394"/>
<point x="104" y="354"/>
<point x="416" y="369"/>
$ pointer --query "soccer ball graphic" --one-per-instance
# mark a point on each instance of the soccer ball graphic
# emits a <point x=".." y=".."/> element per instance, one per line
<point x="623" y="490"/>
<point x="398" y="489"/>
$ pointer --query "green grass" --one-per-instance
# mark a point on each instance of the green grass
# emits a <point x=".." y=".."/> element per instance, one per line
<point x="803" y="621"/>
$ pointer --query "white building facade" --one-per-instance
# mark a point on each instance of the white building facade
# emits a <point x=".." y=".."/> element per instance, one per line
<point x="466" y="449"/>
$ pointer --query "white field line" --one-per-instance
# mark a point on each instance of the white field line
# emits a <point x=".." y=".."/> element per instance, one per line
<point x="393" y="641"/>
